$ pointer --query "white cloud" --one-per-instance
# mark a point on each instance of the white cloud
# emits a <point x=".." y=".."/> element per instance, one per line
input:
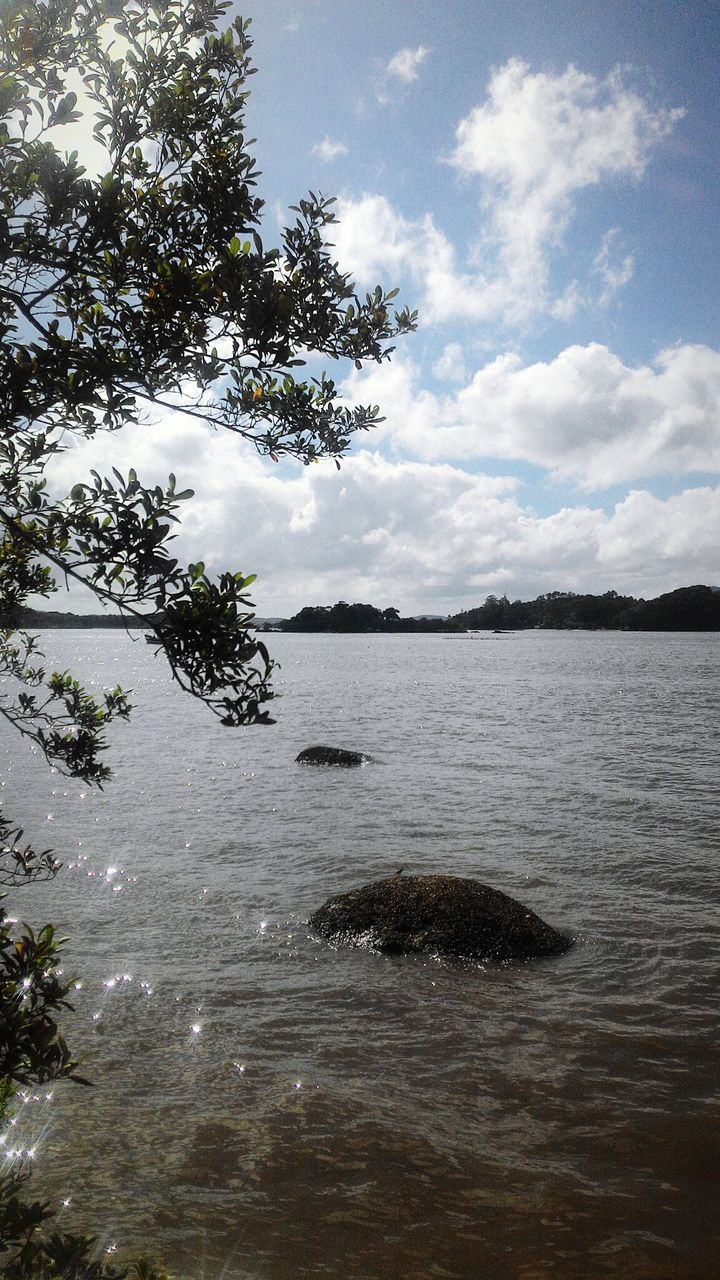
<point x="405" y="64"/>
<point x="551" y="135"/>
<point x="450" y="365"/>
<point x="422" y="536"/>
<point x="535" y="144"/>
<point x="374" y="242"/>
<point x="675" y="538"/>
<point x="372" y="239"/>
<point x="402" y="69"/>
<point x="584" y="416"/>
<point x="613" y="272"/>
<point x="329" y="150"/>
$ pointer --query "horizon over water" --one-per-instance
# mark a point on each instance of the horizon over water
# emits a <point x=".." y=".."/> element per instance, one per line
<point x="268" y="1106"/>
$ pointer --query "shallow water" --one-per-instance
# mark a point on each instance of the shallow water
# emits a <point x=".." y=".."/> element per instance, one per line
<point x="268" y="1106"/>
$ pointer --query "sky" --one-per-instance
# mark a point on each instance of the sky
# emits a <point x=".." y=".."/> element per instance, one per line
<point x="540" y="180"/>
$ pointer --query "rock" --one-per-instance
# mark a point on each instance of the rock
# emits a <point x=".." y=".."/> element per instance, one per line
<point x="447" y="915"/>
<point x="332" y="756"/>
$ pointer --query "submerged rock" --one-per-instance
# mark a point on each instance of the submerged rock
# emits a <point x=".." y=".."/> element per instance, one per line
<point x="332" y="756"/>
<point x="448" y="915"/>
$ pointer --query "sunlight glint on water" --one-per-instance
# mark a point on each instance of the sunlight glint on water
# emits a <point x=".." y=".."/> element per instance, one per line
<point x="270" y="1105"/>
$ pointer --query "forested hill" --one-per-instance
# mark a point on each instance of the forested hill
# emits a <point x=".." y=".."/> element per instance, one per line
<point x="687" y="609"/>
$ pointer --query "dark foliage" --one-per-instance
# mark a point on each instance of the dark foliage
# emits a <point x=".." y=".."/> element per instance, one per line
<point x="687" y="609"/>
<point x="361" y="618"/>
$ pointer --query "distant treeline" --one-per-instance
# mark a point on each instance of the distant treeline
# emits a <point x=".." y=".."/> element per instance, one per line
<point x="39" y="619"/>
<point x="361" y="617"/>
<point x="687" y="609"/>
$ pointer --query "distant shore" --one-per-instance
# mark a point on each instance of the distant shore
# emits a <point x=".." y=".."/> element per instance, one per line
<point x="695" y="608"/>
<point x="49" y="619"/>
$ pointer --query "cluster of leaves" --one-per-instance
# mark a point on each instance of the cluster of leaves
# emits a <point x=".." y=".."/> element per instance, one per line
<point x="64" y="720"/>
<point x="117" y="287"/>
<point x="32" y="1051"/>
<point x="20" y="863"/>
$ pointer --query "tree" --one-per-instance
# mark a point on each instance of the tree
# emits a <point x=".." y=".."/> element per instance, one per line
<point x="116" y="290"/>
<point x="119" y="289"/>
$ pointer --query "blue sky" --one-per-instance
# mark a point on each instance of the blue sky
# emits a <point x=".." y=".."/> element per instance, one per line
<point x="323" y="67"/>
<point x="541" y="181"/>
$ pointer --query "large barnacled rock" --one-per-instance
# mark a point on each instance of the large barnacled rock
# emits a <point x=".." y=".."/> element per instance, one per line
<point x="332" y="756"/>
<point x="447" y="915"/>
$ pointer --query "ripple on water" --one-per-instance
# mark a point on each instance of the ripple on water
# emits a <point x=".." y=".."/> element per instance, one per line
<point x="266" y="1100"/>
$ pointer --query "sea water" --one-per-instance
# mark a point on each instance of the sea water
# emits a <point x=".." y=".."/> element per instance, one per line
<point x="266" y="1105"/>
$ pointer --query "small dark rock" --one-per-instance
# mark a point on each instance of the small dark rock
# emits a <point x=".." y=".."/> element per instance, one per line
<point x="331" y="756"/>
<point x="447" y="915"/>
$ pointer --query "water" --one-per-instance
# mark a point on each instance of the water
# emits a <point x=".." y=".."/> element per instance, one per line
<point x="267" y="1106"/>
